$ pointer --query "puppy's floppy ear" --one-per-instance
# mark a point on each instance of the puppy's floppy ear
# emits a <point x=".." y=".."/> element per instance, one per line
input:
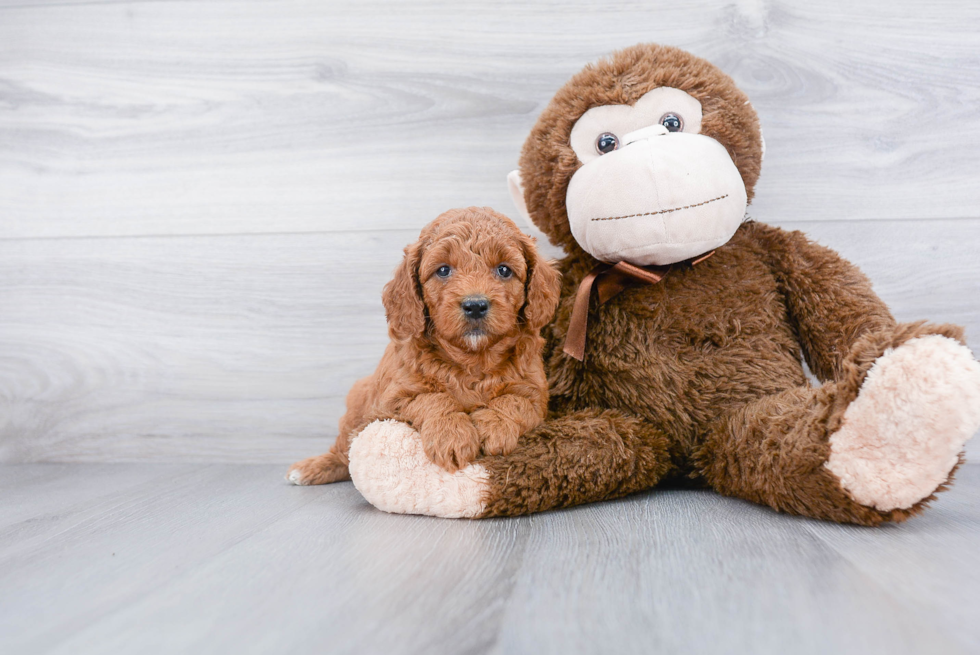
<point x="542" y="288"/>
<point x="402" y="297"/>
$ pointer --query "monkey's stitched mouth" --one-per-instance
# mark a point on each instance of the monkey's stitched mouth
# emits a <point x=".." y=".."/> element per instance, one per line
<point x="662" y="211"/>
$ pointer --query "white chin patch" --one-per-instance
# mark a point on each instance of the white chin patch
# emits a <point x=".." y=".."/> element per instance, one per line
<point x="658" y="200"/>
<point x="476" y="340"/>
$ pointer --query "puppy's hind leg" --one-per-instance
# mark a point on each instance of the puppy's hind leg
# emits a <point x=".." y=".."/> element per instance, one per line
<point x="332" y="466"/>
<point x="326" y="468"/>
<point x="322" y="469"/>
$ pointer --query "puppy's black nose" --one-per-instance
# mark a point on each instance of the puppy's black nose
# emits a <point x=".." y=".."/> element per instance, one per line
<point x="475" y="307"/>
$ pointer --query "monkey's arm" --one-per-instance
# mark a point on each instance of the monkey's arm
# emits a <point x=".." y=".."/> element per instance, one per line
<point x="840" y="322"/>
<point x="830" y="302"/>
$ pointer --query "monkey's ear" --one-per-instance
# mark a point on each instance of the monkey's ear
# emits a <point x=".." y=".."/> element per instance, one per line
<point x="516" y="186"/>
<point x="402" y="297"/>
<point x="542" y="288"/>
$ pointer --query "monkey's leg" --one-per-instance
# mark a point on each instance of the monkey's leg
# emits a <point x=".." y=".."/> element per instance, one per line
<point x="870" y="448"/>
<point x="585" y="456"/>
<point x="582" y="457"/>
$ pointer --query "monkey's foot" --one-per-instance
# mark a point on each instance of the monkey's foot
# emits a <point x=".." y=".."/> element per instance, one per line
<point x="389" y="467"/>
<point x="902" y="435"/>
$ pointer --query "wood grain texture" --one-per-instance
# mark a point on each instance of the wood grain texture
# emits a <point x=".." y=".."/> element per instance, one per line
<point x="107" y="552"/>
<point x="243" y="348"/>
<point x="199" y="202"/>
<point x="136" y="118"/>
<point x="938" y="547"/>
<point x="218" y="559"/>
<point x="194" y="345"/>
<point x="677" y="571"/>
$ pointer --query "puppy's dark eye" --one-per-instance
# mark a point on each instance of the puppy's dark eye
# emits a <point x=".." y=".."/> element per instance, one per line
<point x="444" y="271"/>
<point x="606" y="142"/>
<point x="672" y="122"/>
<point x="504" y="271"/>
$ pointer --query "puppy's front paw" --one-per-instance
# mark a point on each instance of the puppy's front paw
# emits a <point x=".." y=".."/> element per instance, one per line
<point x="322" y="469"/>
<point x="498" y="433"/>
<point x="450" y="441"/>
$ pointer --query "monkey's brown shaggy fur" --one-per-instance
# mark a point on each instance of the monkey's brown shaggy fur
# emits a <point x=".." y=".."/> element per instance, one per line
<point x="465" y="384"/>
<point x="700" y="376"/>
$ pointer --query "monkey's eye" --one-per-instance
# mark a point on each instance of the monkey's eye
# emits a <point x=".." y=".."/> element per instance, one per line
<point x="606" y="142"/>
<point x="672" y="122"/>
<point x="504" y="272"/>
<point x="443" y="271"/>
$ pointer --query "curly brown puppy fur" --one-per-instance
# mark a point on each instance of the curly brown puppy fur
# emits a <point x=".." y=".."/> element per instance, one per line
<point x="464" y="367"/>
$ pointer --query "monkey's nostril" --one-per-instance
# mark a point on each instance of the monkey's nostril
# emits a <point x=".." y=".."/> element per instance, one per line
<point x="475" y="307"/>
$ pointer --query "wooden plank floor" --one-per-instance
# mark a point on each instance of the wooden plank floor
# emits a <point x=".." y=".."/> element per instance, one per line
<point x="222" y="558"/>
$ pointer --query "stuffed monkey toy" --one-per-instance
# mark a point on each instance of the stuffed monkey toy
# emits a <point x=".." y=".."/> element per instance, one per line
<point x="676" y="350"/>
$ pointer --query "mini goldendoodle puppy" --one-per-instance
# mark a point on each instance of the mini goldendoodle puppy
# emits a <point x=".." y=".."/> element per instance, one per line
<point x="464" y="367"/>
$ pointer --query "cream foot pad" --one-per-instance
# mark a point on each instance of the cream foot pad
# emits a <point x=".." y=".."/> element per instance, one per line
<point x="390" y="469"/>
<point x="900" y="438"/>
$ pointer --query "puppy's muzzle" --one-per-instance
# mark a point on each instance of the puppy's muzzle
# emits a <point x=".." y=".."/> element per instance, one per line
<point x="475" y="307"/>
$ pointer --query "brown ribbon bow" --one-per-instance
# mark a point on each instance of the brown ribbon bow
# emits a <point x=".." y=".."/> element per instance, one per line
<point x="609" y="281"/>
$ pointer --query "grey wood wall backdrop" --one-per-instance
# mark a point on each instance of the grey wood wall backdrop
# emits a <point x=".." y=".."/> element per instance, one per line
<point x="200" y="201"/>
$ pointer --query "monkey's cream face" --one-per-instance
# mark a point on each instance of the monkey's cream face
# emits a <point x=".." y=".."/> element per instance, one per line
<point x="651" y="188"/>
